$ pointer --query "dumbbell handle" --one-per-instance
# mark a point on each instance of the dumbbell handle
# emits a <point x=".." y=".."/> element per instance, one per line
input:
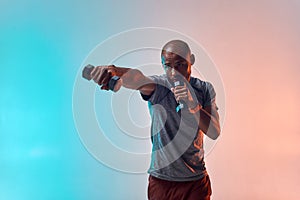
<point x="86" y="73"/>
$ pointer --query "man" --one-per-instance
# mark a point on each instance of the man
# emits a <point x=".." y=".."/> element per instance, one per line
<point x="182" y="109"/>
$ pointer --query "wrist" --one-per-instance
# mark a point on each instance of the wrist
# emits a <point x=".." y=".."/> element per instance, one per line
<point x="119" y="71"/>
<point x="118" y="83"/>
<point x="195" y="109"/>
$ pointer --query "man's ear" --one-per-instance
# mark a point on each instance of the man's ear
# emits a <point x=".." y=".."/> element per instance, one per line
<point x="192" y="59"/>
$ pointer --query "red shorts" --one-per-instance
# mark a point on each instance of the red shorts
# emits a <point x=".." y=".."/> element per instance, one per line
<point x="159" y="189"/>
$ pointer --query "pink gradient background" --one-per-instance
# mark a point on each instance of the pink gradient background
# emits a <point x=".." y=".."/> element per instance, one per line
<point x="256" y="48"/>
<point x="255" y="45"/>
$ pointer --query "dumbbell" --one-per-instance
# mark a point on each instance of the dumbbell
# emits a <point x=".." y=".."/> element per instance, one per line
<point x="113" y="84"/>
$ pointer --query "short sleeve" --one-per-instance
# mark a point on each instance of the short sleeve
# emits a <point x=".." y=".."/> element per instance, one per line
<point x="160" y="88"/>
<point x="210" y="95"/>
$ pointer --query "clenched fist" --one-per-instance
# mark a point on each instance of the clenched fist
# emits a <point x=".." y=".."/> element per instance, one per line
<point x="102" y="74"/>
<point x="183" y="94"/>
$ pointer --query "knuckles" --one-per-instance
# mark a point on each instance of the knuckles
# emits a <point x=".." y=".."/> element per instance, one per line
<point x="102" y="74"/>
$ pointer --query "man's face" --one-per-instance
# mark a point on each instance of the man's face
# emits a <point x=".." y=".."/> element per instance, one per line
<point x="175" y="65"/>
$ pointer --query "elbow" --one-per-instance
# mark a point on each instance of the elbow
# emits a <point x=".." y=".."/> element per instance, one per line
<point x="214" y="134"/>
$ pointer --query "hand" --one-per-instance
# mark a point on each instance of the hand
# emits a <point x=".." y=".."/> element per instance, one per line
<point x="183" y="94"/>
<point x="102" y="74"/>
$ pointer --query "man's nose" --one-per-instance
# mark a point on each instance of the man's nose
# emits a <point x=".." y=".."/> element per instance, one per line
<point x="173" y="72"/>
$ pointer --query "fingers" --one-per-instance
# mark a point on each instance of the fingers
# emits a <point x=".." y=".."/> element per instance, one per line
<point x="180" y="93"/>
<point x="104" y="87"/>
<point x="180" y="89"/>
<point x="101" y="76"/>
<point x="182" y="97"/>
<point x="105" y="78"/>
<point x="95" y="74"/>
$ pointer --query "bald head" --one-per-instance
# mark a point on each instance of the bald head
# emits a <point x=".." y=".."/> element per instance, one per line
<point x="177" y="54"/>
<point x="178" y="47"/>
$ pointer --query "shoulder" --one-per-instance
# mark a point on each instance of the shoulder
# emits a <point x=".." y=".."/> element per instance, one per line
<point x="161" y="89"/>
<point x="199" y="84"/>
<point x="204" y="87"/>
<point x="158" y="78"/>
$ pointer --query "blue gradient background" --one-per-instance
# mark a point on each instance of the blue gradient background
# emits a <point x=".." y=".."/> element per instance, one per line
<point x="43" y="43"/>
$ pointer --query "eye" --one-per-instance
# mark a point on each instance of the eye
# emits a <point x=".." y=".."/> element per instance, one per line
<point x="184" y="65"/>
<point x="181" y="65"/>
<point x="166" y="66"/>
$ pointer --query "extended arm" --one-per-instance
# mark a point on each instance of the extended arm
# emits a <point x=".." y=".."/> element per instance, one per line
<point x="129" y="78"/>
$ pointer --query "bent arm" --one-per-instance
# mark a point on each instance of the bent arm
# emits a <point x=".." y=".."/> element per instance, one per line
<point x="209" y="122"/>
<point x="207" y="119"/>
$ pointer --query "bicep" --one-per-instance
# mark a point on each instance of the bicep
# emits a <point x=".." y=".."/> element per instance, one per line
<point x="148" y="86"/>
<point x="136" y="80"/>
<point x="212" y="109"/>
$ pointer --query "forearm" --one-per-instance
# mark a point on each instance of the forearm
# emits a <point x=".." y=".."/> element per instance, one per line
<point x="206" y="122"/>
<point x="209" y="124"/>
<point x="134" y="79"/>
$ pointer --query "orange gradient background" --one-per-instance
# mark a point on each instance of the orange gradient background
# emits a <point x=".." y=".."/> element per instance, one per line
<point x="255" y="45"/>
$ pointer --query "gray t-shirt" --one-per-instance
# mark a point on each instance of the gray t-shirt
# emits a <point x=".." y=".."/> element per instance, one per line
<point x="177" y="150"/>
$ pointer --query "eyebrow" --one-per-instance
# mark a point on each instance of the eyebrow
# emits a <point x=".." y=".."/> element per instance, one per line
<point x="181" y="61"/>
